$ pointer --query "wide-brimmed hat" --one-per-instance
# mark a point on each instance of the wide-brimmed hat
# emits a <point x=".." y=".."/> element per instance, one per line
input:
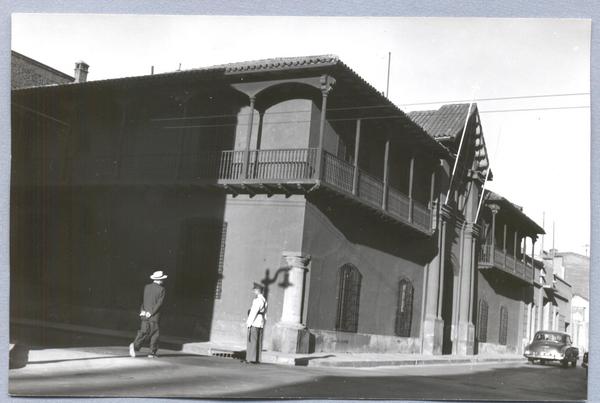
<point x="257" y="286"/>
<point x="158" y="275"/>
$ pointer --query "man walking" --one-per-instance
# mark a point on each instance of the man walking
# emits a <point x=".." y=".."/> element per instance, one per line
<point x="154" y="295"/>
<point x="255" y="324"/>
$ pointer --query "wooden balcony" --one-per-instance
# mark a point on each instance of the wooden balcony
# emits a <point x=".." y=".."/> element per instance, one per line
<point x="495" y="258"/>
<point x="301" y="171"/>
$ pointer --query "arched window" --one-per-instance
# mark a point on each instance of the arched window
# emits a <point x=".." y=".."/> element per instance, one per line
<point x="348" y="299"/>
<point x="405" y="305"/>
<point x="503" y="326"/>
<point x="482" y="319"/>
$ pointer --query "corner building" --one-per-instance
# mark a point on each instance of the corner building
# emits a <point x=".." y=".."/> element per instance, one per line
<point x="291" y="172"/>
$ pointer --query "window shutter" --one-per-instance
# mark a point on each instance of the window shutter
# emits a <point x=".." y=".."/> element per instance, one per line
<point x="404" y="311"/>
<point x="348" y="299"/>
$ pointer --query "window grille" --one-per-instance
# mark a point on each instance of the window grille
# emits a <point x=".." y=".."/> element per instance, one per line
<point x="219" y="286"/>
<point x="348" y="298"/>
<point x="405" y="307"/>
<point x="482" y="319"/>
<point x="503" y="326"/>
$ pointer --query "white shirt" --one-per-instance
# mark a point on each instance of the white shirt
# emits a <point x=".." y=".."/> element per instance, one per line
<point x="257" y="314"/>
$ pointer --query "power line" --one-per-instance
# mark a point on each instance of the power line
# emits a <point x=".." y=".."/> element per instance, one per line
<point x="376" y="117"/>
<point x="500" y="98"/>
<point x="362" y="107"/>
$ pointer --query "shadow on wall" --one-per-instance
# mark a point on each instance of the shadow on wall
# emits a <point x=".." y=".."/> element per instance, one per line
<point x="267" y="281"/>
<point x="361" y="227"/>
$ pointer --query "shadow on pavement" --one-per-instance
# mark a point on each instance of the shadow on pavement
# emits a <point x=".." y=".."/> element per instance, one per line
<point x="44" y="338"/>
<point x="140" y="356"/>
<point x="304" y="360"/>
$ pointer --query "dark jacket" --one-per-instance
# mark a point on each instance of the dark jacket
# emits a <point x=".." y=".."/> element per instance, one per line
<point x="154" y="295"/>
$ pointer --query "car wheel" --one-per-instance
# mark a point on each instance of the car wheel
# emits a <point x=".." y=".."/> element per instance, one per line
<point x="565" y="364"/>
<point x="530" y="360"/>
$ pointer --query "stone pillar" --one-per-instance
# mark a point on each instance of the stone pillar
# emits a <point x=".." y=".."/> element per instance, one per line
<point x="465" y="339"/>
<point x="433" y="324"/>
<point x="287" y="332"/>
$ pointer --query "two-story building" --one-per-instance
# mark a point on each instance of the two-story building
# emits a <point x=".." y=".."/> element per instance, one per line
<point x="360" y="220"/>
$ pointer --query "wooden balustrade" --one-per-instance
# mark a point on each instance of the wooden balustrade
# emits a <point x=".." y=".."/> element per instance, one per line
<point x="338" y="173"/>
<point x="370" y="189"/>
<point x="398" y="204"/>
<point x="268" y="167"/>
<point x="495" y="257"/>
<point x="421" y="215"/>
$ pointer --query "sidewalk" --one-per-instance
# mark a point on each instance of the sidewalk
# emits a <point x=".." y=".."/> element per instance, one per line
<point x="355" y="360"/>
<point x="183" y="346"/>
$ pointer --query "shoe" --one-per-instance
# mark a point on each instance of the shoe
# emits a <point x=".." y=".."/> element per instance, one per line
<point x="132" y="350"/>
<point x="152" y="355"/>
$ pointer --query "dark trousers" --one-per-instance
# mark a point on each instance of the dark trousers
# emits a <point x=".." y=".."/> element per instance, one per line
<point x="148" y="330"/>
<point x="254" y="344"/>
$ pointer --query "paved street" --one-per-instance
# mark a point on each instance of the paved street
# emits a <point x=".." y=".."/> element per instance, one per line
<point x="109" y="371"/>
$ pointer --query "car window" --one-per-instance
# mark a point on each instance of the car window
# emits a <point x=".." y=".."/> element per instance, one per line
<point x="559" y="338"/>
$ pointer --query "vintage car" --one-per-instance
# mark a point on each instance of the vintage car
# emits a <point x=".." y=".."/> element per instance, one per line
<point x="552" y="346"/>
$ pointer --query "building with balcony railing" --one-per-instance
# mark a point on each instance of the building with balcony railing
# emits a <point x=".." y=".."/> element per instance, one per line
<point x="359" y="220"/>
<point x="506" y="275"/>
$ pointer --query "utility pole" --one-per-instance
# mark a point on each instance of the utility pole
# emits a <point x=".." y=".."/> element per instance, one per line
<point x="553" y="234"/>
<point x="387" y="88"/>
<point x="543" y="235"/>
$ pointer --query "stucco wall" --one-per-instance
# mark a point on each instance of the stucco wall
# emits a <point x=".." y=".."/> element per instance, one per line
<point x="382" y="260"/>
<point x="499" y="291"/>
<point x="285" y="125"/>
<point x="259" y="229"/>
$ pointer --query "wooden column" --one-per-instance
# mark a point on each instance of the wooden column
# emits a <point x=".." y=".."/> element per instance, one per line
<point x="492" y="248"/>
<point x="515" y="245"/>
<point x="248" y="137"/>
<point x="533" y="258"/>
<point x="432" y="189"/>
<point x="386" y="172"/>
<point x="326" y="85"/>
<point x="356" y="154"/>
<point x="504" y="245"/>
<point x="410" y="188"/>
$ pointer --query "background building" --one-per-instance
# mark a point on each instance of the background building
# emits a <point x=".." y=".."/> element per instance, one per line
<point x="27" y="72"/>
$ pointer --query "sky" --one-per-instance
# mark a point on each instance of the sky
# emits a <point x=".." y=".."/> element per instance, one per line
<point x="540" y="158"/>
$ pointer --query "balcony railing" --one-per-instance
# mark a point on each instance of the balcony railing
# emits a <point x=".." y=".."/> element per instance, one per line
<point x="490" y="256"/>
<point x="296" y="170"/>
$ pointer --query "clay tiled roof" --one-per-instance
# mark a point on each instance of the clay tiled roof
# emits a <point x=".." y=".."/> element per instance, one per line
<point x="281" y="66"/>
<point x="280" y="63"/>
<point x="446" y="122"/>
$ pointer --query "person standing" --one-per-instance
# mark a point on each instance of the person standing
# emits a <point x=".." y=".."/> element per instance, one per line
<point x="154" y="295"/>
<point x="255" y="325"/>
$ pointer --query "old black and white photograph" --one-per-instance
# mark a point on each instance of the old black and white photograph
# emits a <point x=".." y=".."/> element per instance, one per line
<point x="259" y="207"/>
